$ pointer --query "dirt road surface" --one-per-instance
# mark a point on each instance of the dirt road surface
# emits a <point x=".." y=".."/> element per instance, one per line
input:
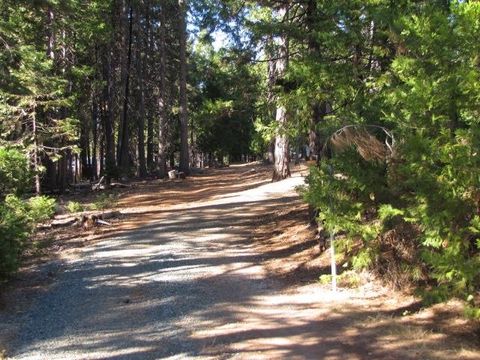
<point x="182" y="279"/>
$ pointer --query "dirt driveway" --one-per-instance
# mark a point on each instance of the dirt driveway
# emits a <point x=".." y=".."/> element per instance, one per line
<point x="183" y="278"/>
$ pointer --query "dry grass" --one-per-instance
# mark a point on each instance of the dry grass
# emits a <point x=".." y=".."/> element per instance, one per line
<point x="364" y="141"/>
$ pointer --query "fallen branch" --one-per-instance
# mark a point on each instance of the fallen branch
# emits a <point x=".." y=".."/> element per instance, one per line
<point x="89" y="221"/>
<point x="99" y="184"/>
<point x="85" y="220"/>
<point x="120" y="185"/>
<point x="64" y="222"/>
<point x="101" y="222"/>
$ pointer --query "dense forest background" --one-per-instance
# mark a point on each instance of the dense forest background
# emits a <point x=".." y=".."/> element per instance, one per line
<point x="384" y="95"/>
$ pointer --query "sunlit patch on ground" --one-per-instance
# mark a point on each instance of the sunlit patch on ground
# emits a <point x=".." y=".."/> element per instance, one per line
<point x="221" y="265"/>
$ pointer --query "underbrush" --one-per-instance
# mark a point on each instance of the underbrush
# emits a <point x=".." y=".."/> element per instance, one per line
<point x="74" y="207"/>
<point x="412" y="221"/>
<point x="18" y="213"/>
<point x="104" y="201"/>
<point x="18" y="218"/>
<point x="99" y="202"/>
<point x="347" y="279"/>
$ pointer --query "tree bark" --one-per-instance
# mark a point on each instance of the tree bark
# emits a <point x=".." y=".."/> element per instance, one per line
<point x="281" y="166"/>
<point x="149" y="39"/>
<point x="162" y="121"/>
<point x="142" y="167"/>
<point x="51" y="33"/>
<point x="271" y="94"/>
<point x="35" y="153"/>
<point x="313" y="136"/>
<point x="94" y="171"/>
<point x="62" y="165"/>
<point x="184" y="165"/>
<point x="84" y="149"/>
<point x="313" y="47"/>
<point x="108" y="124"/>
<point x="123" y="156"/>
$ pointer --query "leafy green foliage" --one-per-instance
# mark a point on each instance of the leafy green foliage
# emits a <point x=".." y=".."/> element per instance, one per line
<point x="350" y="186"/>
<point x="347" y="279"/>
<point x="40" y="208"/>
<point x="15" y="176"/>
<point x="409" y="66"/>
<point x="427" y="92"/>
<point x="473" y="312"/>
<point x="104" y="201"/>
<point x="17" y="221"/>
<point x="17" y="217"/>
<point x="74" y="207"/>
<point x="15" y="227"/>
<point x="225" y="98"/>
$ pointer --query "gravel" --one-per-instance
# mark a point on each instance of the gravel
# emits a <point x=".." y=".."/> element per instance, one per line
<point x="156" y="292"/>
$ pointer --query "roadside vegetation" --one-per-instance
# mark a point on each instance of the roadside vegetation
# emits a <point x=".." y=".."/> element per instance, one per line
<point x="18" y="213"/>
<point x="382" y="97"/>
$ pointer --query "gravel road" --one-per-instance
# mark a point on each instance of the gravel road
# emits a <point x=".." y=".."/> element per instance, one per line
<point x="187" y="285"/>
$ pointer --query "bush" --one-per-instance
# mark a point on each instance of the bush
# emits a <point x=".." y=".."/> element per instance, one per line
<point x="15" y="226"/>
<point x="15" y="175"/>
<point x="416" y="217"/>
<point x="17" y="221"/>
<point x="74" y="207"/>
<point x="104" y="201"/>
<point x="472" y="312"/>
<point x="41" y="208"/>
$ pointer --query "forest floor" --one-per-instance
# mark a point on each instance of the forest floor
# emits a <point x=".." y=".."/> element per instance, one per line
<point x="222" y="265"/>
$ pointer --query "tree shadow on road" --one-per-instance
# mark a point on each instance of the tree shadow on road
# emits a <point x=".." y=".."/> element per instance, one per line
<point x="189" y="282"/>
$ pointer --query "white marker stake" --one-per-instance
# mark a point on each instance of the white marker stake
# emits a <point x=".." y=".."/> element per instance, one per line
<point x="333" y="263"/>
<point x="332" y="238"/>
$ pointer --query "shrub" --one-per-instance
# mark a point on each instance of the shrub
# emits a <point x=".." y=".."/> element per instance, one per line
<point x="74" y="207"/>
<point x="17" y="221"/>
<point x="348" y="279"/>
<point x="104" y="201"/>
<point x="416" y="216"/>
<point x="15" y="175"/>
<point x="472" y="312"/>
<point x="15" y="227"/>
<point x="41" y="208"/>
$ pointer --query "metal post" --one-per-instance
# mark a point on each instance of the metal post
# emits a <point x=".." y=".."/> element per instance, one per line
<point x="333" y="262"/>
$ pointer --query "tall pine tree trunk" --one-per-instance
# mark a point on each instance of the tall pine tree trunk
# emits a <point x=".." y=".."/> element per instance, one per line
<point x="313" y="136"/>
<point x="123" y="149"/>
<point x="281" y="166"/>
<point x="162" y="101"/>
<point x="94" y="170"/>
<point x="36" y="167"/>
<point x="270" y="94"/>
<point x="142" y="167"/>
<point x="51" y="36"/>
<point x="148" y="75"/>
<point x="84" y="150"/>
<point x="184" y="166"/>
<point x="313" y="47"/>
<point x="109" y="148"/>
